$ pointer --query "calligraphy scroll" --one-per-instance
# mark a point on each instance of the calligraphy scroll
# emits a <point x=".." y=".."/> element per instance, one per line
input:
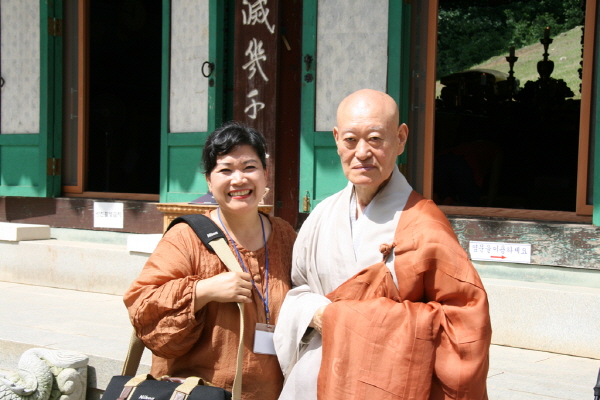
<point x="255" y="71"/>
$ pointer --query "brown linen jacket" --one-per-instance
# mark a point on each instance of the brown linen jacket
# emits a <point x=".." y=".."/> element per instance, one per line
<point x="161" y="308"/>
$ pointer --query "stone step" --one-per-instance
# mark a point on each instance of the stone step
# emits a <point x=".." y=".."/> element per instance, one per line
<point x="93" y="261"/>
<point x="65" y="293"/>
<point x="93" y="324"/>
<point x="14" y="232"/>
<point x="97" y="325"/>
<point x="546" y="317"/>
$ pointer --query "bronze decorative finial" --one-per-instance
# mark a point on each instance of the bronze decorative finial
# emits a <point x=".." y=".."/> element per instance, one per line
<point x="511" y="78"/>
<point x="545" y="67"/>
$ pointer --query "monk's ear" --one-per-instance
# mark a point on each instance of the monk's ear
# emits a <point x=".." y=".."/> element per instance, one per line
<point x="336" y="133"/>
<point x="402" y="137"/>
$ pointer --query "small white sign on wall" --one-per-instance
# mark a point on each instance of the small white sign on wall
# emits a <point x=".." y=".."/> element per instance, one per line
<point x="502" y="252"/>
<point x="108" y="215"/>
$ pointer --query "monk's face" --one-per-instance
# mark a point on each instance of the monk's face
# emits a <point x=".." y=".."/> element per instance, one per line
<point x="368" y="137"/>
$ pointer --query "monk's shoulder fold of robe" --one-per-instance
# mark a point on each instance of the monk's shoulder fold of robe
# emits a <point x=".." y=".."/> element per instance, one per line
<point x="427" y="339"/>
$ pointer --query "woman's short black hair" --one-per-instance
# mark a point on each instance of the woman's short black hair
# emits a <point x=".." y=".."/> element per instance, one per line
<point x="232" y="134"/>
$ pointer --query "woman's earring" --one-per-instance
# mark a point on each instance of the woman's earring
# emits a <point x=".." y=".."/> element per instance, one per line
<point x="262" y="201"/>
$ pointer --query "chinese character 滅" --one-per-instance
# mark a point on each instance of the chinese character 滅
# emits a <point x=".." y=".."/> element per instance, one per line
<point x="257" y="13"/>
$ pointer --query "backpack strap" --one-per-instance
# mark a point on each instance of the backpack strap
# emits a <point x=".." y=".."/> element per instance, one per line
<point x="204" y="227"/>
<point x="212" y="237"/>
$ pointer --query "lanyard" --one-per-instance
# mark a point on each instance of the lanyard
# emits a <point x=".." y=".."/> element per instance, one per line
<point x="264" y="299"/>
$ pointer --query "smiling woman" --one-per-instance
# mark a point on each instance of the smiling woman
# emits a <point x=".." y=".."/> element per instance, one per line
<point x="183" y="304"/>
<point x="234" y="166"/>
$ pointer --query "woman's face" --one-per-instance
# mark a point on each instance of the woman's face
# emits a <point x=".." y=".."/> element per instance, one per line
<point x="238" y="180"/>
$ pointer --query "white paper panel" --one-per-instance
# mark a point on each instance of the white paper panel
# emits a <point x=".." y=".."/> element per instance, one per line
<point x="20" y="58"/>
<point x="189" y="49"/>
<point x="352" y="38"/>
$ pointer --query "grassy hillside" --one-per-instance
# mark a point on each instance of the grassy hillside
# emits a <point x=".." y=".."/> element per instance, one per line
<point x="565" y="51"/>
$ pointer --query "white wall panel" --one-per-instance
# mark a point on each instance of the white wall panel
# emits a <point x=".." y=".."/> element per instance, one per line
<point x="20" y="66"/>
<point x="189" y="50"/>
<point x="352" y="38"/>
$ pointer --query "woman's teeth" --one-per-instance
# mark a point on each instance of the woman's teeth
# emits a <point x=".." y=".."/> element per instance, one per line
<point x="239" y="193"/>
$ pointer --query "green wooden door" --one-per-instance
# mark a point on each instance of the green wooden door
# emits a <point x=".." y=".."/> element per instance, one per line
<point x="192" y="104"/>
<point x="345" y="48"/>
<point x="30" y="98"/>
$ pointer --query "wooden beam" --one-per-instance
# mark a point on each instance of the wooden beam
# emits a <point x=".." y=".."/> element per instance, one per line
<point x="585" y="131"/>
<point x="429" y="99"/>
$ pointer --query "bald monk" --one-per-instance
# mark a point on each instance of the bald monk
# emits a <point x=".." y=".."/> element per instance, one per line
<point x="385" y="303"/>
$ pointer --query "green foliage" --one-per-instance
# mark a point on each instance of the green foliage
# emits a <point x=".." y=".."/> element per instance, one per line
<point x="470" y="32"/>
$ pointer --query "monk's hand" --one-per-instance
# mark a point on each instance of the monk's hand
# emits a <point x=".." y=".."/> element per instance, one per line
<point x="224" y="288"/>
<point x="317" y="320"/>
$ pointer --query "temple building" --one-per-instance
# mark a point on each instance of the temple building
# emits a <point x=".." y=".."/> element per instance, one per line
<point x="105" y="106"/>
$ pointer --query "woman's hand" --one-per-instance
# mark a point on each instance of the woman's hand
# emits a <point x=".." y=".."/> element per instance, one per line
<point x="227" y="287"/>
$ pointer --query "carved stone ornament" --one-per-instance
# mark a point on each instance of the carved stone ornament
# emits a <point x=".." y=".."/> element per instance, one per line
<point x="45" y="374"/>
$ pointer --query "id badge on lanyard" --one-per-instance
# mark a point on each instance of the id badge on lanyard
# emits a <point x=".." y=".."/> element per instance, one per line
<point x="263" y="339"/>
<point x="263" y="334"/>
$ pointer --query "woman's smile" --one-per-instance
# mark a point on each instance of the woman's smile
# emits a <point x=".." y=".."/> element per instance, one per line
<point x="240" y="194"/>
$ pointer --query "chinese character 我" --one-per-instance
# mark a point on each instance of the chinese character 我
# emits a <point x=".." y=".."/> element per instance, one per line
<point x="257" y="54"/>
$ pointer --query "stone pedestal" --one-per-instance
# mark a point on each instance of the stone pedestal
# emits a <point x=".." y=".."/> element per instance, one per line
<point x="47" y="374"/>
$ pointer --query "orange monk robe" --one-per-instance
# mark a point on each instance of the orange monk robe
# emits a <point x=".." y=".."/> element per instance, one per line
<point x="427" y="338"/>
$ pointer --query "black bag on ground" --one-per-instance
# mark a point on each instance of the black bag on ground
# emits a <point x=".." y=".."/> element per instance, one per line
<point x="145" y="387"/>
